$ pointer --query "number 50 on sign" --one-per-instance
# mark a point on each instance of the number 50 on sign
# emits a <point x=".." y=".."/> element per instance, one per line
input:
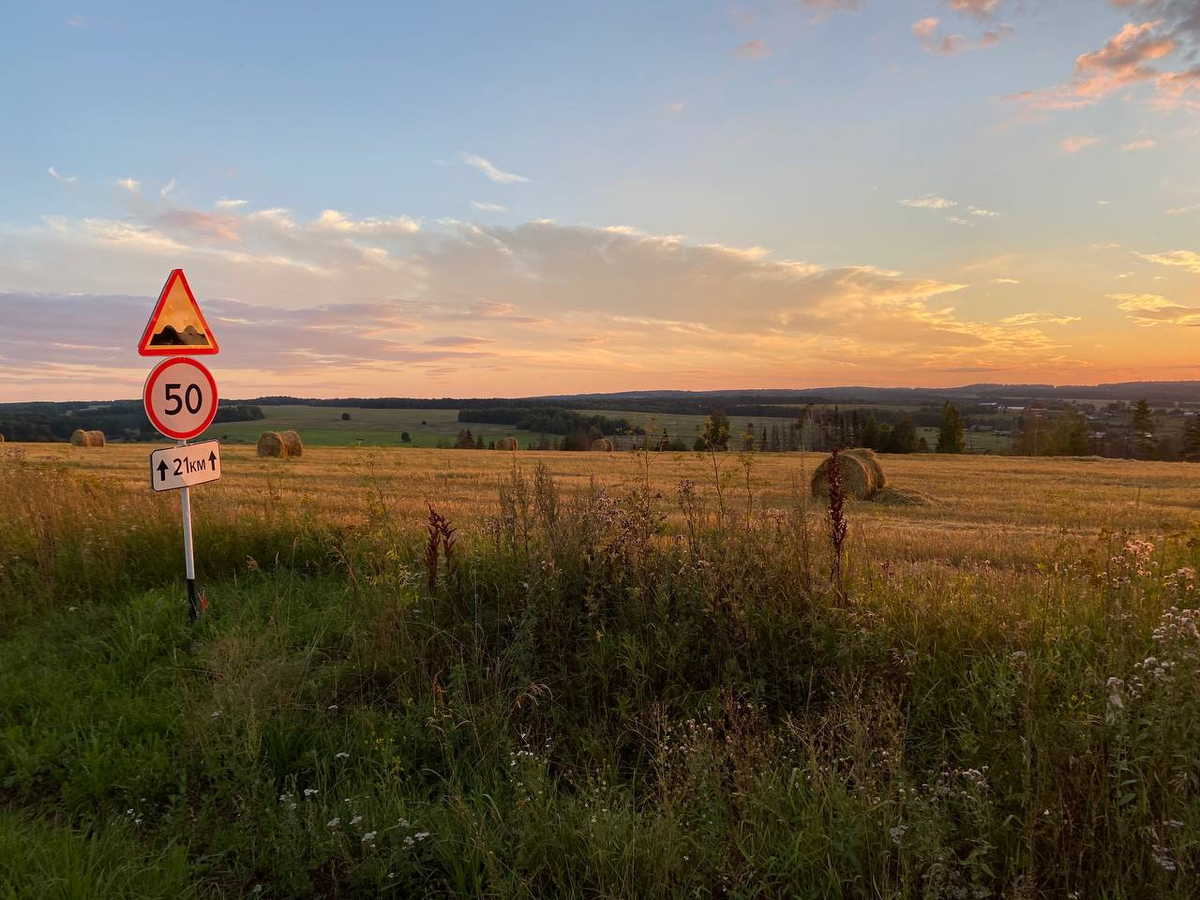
<point x="180" y="397"/>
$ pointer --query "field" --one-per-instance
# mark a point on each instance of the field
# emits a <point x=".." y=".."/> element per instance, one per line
<point x="625" y="675"/>
<point x="323" y="426"/>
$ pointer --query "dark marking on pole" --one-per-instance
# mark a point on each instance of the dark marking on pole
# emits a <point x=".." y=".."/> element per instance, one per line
<point x="193" y="606"/>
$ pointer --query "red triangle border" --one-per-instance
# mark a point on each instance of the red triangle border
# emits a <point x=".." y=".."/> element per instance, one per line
<point x="144" y="348"/>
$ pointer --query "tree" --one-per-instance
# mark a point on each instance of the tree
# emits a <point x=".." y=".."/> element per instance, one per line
<point x="1070" y="436"/>
<point x="870" y="434"/>
<point x="950" y="431"/>
<point x="1190" y="451"/>
<point x="902" y="438"/>
<point x="405" y="438"/>
<point x="479" y="442"/>
<point x="715" y="433"/>
<point x="1142" y="428"/>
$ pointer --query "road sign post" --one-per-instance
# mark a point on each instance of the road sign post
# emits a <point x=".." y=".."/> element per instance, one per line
<point x="180" y="398"/>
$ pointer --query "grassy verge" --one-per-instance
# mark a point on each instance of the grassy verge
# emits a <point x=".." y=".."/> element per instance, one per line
<point x="570" y="697"/>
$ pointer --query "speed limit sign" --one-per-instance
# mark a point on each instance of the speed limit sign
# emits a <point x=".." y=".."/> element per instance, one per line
<point x="180" y="398"/>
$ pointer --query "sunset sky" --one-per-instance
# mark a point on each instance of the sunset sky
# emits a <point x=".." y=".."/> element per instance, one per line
<point x="544" y="197"/>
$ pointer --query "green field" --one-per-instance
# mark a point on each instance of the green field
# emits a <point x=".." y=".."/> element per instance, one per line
<point x="323" y="426"/>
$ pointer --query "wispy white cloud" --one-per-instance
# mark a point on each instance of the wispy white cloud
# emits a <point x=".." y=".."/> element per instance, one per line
<point x="929" y="201"/>
<point x="1185" y="259"/>
<point x="1182" y="210"/>
<point x="332" y="220"/>
<point x="1143" y="144"/>
<point x="755" y="49"/>
<point x="167" y="188"/>
<point x="1039" y="318"/>
<point x="497" y="175"/>
<point x="130" y="184"/>
<point x="229" y="203"/>
<point x="1149" y="310"/>
<point x="488" y="207"/>
<point x="981" y="213"/>
<point x="65" y="179"/>
<point x="1076" y="142"/>
<point x="1005" y="281"/>
<point x="924" y="28"/>
<point x="980" y="9"/>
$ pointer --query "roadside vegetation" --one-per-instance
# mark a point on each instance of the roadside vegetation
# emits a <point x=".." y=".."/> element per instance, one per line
<point x="575" y="675"/>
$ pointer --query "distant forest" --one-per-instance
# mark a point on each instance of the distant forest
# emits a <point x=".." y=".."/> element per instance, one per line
<point x="124" y="419"/>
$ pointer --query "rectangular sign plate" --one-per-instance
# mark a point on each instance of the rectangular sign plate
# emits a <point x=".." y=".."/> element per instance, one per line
<point x="174" y="467"/>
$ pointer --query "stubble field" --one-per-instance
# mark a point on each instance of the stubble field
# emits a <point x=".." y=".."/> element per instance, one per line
<point x="601" y="675"/>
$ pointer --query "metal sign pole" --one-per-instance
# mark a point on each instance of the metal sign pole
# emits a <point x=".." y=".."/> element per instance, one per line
<point x="189" y="561"/>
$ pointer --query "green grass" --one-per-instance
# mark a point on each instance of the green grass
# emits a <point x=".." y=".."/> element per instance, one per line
<point x="322" y="426"/>
<point x="580" y="701"/>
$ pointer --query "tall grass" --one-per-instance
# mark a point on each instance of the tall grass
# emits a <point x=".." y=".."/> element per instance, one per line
<point x="617" y="692"/>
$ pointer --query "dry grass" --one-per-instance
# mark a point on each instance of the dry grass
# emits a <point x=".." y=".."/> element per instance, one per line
<point x="980" y="502"/>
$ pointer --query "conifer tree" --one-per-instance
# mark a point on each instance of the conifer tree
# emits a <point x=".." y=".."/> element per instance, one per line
<point x="950" y="431"/>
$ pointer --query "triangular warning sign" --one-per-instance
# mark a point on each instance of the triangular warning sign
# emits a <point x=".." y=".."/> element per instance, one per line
<point x="177" y="327"/>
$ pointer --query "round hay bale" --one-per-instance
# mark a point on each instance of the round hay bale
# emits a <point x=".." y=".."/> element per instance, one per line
<point x="79" y="438"/>
<point x="345" y="417"/>
<point x="291" y="440"/>
<point x="95" y="439"/>
<point x="871" y="461"/>
<point x="603" y="444"/>
<point x="506" y="443"/>
<point x="861" y="476"/>
<point x="271" y="444"/>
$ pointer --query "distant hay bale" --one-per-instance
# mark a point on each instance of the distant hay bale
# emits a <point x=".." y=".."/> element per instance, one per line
<point x="81" y="438"/>
<point x="271" y="444"/>
<point x="506" y="443"/>
<point x="862" y="476"/>
<point x="345" y="417"/>
<point x="603" y="444"/>
<point x="291" y="440"/>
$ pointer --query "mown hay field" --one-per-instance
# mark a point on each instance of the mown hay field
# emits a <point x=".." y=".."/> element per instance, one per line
<point x="598" y="675"/>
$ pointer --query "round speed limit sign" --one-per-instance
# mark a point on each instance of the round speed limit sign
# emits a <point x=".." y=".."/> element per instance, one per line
<point x="180" y="398"/>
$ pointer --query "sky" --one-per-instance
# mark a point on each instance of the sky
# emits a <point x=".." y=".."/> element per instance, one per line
<point x="513" y="199"/>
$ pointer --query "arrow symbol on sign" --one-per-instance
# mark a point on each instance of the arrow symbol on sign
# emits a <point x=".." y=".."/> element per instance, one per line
<point x="162" y="470"/>
<point x="212" y="458"/>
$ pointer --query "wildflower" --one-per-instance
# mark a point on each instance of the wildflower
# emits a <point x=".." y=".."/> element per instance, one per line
<point x="215" y="714"/>
<point x="308" y="792"/>
<point x="284" y="798"/>
<point x="369" y="837"/>
<point x="356" y="820"/>
<point x="403" y="823"/>
<point x="897" y="832"/>
<point x="408" y="842"/>
<point x="342" y="755"/>
<point x="421" y="835"/>
<point x="334" y="822"/>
